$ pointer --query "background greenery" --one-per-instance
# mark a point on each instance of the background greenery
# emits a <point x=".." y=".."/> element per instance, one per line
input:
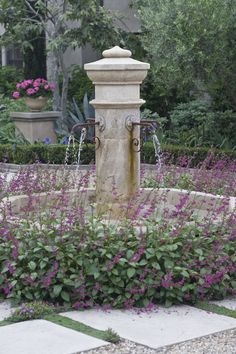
<point x="191" y="46"/>
<point x="9" y="76"/>
<point x="190" y="88"/>
<point x="7" y="127"/>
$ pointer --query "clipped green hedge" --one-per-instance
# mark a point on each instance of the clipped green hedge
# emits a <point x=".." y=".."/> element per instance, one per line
<point x="171" y="153"/>
<point x="55" y="154"/>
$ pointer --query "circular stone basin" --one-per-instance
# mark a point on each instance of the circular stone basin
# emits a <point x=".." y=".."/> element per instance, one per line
<point x="156" y="200"/>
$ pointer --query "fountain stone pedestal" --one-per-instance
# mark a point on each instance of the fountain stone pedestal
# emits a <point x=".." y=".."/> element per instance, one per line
<point x="117" y="78"/>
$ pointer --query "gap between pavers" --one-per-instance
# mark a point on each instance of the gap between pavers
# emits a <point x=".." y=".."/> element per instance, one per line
<point x="158" y="328"/>
<point x="229" y="303"/>
<point x="43" y="337"/>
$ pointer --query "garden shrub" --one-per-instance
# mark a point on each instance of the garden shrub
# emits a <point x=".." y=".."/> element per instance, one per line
<point x="79" y="84"/>
<point x="95" y="264"/>
<point x="196" y="124"/>
<point x="9" y="75"/>
<point x="7" y="127"/>
<point x="158" y="97"/>
<point x="189" y="115"/>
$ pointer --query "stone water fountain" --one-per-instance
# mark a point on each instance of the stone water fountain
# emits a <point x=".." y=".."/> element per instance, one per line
<point x="117" y="79"/>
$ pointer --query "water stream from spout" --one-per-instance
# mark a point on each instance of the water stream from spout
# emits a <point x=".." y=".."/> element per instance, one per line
<point x="157" y="148"/>
<point x="71" y="140"/>
<point x="81" y="141"/>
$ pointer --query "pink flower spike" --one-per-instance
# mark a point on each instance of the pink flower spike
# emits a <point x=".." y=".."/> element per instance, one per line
<point x="18" y="85"/>
<point x="47" y="87"/>
<point x="16" y="94"/>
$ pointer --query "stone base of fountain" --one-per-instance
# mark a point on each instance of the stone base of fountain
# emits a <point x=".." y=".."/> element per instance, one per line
<point x="117" y="78"/>
<point x="155" y="200"/>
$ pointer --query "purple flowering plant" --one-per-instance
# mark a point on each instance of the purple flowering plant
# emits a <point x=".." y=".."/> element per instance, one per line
<point x="33" y="88"/>
<point x="63" y="254"/>
<point x="31" y="310"/>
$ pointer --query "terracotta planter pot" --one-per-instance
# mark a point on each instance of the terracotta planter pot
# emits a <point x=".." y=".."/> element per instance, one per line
<point x="36" y="104"/>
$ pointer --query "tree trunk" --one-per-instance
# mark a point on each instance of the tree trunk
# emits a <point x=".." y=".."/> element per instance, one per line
<point x="64" y="91"/>
<point x="55" y="73"/>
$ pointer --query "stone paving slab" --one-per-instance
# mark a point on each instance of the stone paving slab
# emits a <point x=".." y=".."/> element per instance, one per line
<point x="44" y="337"/>
<point x="159" y="328"/>
<point x="228" y="303"/>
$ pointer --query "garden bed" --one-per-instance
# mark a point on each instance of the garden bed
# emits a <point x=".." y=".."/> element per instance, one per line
<point x="53" y="246"/>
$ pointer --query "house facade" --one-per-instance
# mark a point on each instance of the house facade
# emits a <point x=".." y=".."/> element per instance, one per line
<point x="10" y="55"/>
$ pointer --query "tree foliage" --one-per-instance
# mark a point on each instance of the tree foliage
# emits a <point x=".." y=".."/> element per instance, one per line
<point x="67" y="24"/>
<point x="192" y="47"/>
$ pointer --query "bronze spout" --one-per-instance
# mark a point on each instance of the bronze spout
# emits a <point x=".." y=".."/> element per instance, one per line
<point x="83" y="125"/>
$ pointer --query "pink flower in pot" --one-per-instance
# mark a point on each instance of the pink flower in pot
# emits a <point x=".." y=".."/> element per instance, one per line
<point x="16" y="94"/>
<point x="30" y="91"/>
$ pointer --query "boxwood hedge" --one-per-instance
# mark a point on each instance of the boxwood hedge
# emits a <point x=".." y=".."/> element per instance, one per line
<point x="55" y="153"/>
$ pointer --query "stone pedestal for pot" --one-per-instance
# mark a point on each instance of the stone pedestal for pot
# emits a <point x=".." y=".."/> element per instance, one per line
<point x="36" y="126"/>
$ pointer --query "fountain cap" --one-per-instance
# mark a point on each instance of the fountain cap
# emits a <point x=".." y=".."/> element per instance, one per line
<point x="117" y="66"/>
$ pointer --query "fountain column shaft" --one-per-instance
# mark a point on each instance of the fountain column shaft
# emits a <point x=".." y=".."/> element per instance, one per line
<point x="117" y="80"/>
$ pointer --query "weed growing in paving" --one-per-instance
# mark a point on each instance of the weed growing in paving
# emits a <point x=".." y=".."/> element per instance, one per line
<point x="30" y="311"/>
<point x="112" y="336"/>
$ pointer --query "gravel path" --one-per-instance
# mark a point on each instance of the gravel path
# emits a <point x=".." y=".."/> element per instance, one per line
<point x="218" y="343"/>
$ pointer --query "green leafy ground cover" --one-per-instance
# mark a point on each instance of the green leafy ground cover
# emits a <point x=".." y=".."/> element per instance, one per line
<point x="88" y="264"/>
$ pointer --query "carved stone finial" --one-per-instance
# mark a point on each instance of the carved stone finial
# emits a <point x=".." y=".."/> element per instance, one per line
<point x="116" y="52"/>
